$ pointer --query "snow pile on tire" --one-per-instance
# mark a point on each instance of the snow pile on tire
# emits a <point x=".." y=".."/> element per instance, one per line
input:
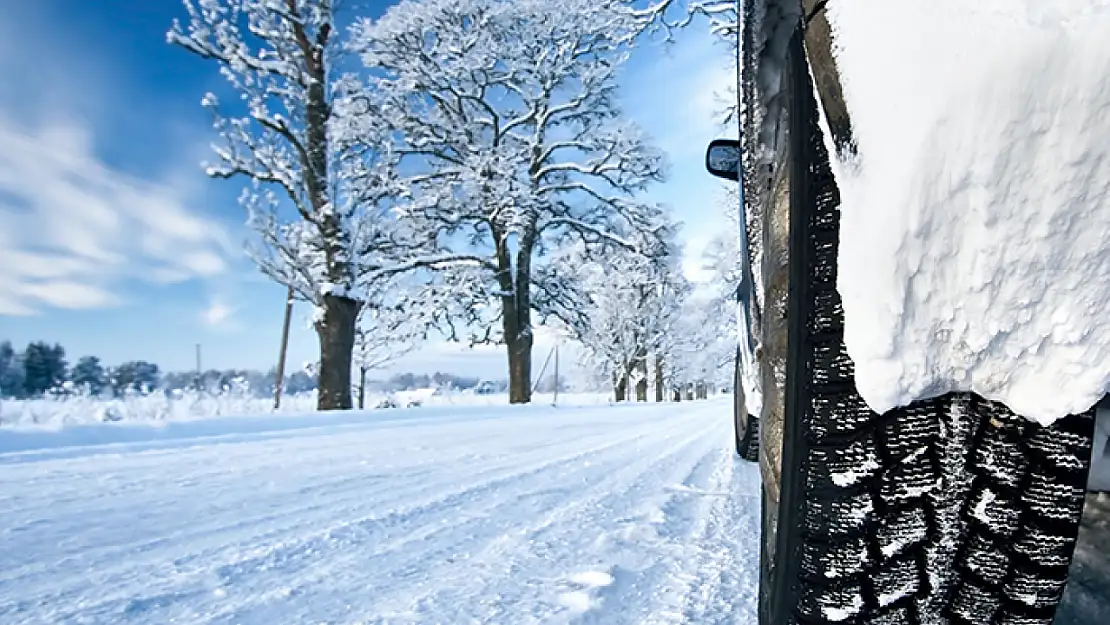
<point x="975" y="239"/>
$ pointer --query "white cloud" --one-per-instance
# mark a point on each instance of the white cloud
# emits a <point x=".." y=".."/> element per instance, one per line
<point x="693" y="260"/>
<point x="217" y="314"/>
<point x="74" y="231"/>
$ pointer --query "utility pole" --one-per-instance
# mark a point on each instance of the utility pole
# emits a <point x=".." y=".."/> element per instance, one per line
<point x="361" y="387"/>
<point x="279" y="378"/>
<point x="555" y="400"/>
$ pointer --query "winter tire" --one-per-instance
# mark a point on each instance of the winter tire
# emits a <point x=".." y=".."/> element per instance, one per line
<point x="951" y="510"/>
<point x="747" y="437"/>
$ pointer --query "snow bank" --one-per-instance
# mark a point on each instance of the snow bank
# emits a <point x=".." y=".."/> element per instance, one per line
<point x="60" y="412"/>
<point x="155" y="407"/>
<point x="975" y="248"/>
<point x="75" y="438"/>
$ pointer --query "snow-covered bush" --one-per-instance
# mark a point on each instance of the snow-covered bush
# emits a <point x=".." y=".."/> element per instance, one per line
<point x="78" y="408"/>
<point x="65" y="409"/>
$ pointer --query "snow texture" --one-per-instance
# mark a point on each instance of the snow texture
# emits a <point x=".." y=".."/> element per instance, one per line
<point x="634" y="514"/>
<point x="975" y="238"/>
<point x="158" y="409"/>
<point x="851" y="477"/>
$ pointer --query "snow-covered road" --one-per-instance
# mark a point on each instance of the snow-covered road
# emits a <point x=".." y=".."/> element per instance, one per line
<point x="634" y="514"/>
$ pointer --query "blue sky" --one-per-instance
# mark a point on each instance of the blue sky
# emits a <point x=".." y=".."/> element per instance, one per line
<point x="113" y="242"/>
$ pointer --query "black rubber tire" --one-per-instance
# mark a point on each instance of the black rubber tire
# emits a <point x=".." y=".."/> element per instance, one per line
<point x="745" y="426"/>
<point x="747" y="438"/>
<point x="952" y="510"/>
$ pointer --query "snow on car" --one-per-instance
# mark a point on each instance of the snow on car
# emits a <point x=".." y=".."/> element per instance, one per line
<point x="975" y="235"/>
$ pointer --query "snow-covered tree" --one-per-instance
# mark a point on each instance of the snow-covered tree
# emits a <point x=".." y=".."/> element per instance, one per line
<point x="278" y="57"/>
<point x="322" y="177"/>
<point x="720" y="259"/>
<point x="506" y="119"/>
<point x="723" y="15"/>
<point x="629" y="306"/>
<point x="386" y="330"/>
<point x="703" y="345"/>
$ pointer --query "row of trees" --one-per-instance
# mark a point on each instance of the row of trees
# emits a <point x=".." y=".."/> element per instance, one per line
<point x="643" y="323"/>
<point x="42" y="367"/>
<point x="430" y="168"/>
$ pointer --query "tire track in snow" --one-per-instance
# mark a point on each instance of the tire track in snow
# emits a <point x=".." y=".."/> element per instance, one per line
<point x="484" y="542"/>
<point x="512" y="519"/>
<point x="723" y="587"/>
<point x="658" y="589"/>
<point x="115" y="566"/>
<point x="610" y="549"/>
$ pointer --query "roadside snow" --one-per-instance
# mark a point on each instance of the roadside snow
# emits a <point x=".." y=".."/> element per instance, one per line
<point x="975" y="238"/>
<point x="158" y="407"/>
<point x="625" y="514"/>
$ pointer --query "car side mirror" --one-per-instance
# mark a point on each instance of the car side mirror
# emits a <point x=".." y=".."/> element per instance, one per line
<point x="722" y="158"/>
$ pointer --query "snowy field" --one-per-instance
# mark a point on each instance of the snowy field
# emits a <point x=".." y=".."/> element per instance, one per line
<point x="466" y="514"/>
<point x="188" y="406"/>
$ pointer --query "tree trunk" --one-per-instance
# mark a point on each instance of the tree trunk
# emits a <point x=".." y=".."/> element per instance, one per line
<point x="336" y="331"/>
<point x="516" y="318"/>
<point x="520" y="369"/>
<point x="677" y="394"/>
<point x="659" y="394"/>
<point x="620" y="385"/>
<point x="642" y="383"/>
<point x="362" y="388"/>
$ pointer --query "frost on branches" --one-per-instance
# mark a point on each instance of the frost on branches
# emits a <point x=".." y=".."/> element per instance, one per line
<point x="724" y="22"/>
<point x="629" y="308"/>
<point x="513" y="144"/>
<point x="702" y="347"/>
<point x="387" y="329"/>
<point x="723" y="15"/>
<point x="285" y="133"/>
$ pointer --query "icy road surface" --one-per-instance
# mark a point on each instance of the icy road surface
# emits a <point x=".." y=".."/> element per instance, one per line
<point x="634" y="514"/>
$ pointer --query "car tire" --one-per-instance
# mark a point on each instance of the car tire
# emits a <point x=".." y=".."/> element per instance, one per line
<point x="744" y="424"/>
<point x="950" y="510"/>
<point x="747" y="437"/>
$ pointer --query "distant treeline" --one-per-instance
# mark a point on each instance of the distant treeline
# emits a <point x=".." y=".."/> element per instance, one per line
<point x="42" y="368"/>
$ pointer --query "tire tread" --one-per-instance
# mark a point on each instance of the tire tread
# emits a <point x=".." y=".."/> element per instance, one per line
<point x="949" y="510"/>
